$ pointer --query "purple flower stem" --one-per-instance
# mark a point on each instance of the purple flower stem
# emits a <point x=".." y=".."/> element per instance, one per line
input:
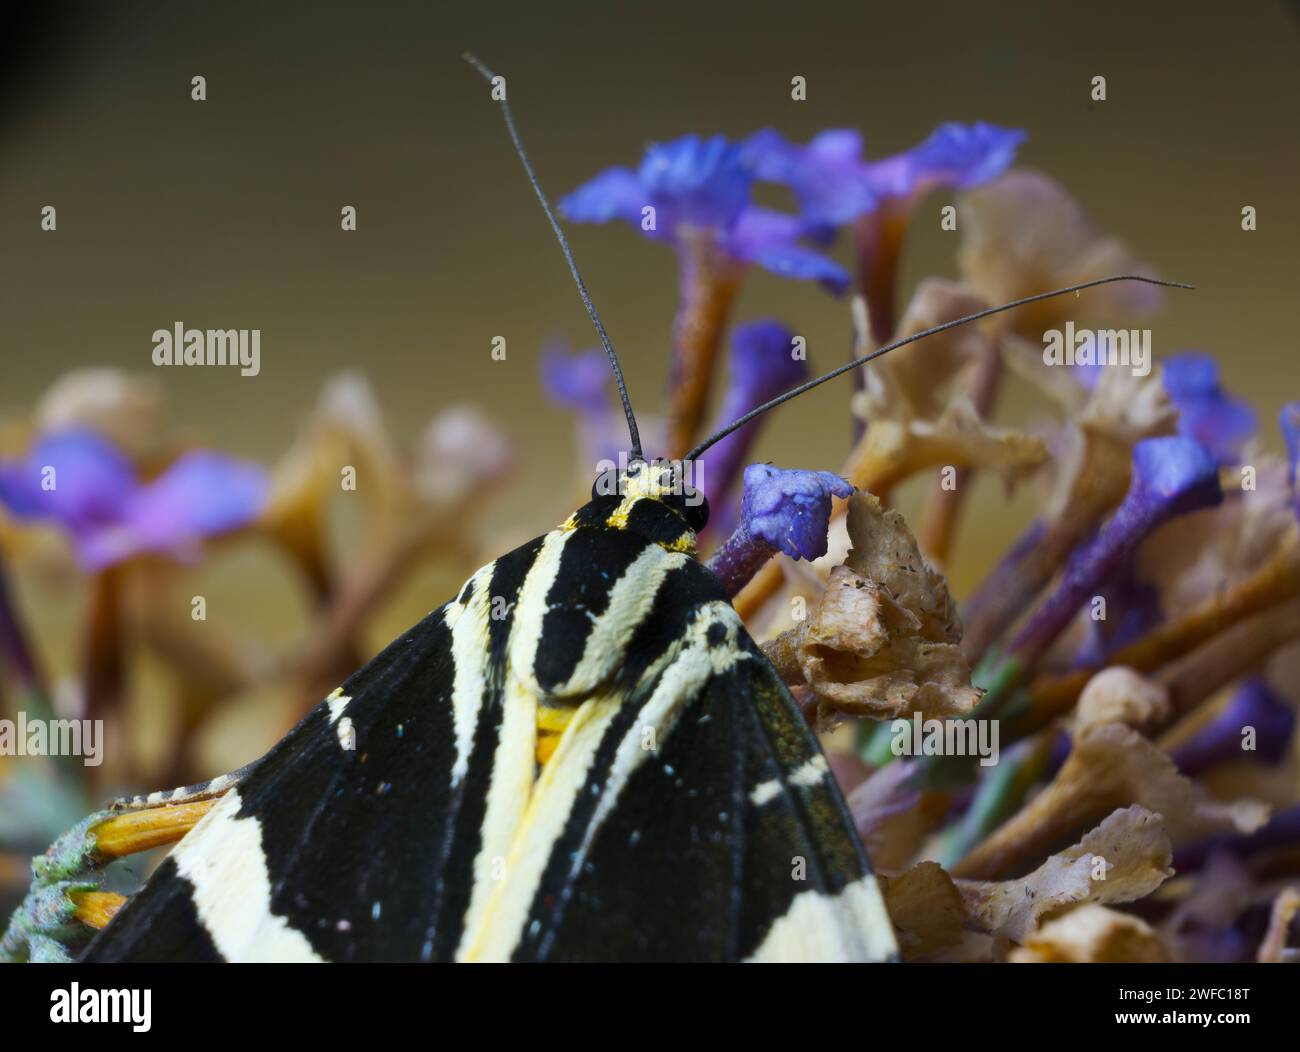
<point x="1141" y="511"/>
<point x="1255" y="705"/>
<point x="1283" y="830"/>
<point x="738" y="558"/>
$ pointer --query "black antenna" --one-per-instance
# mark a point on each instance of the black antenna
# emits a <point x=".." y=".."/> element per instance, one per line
<point x="795" y="392"/>
<point x="635" y="436"/>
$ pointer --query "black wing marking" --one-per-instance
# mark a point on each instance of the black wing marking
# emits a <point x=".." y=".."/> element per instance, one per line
<point x="370" y="853"/>
<point x="368" y="850"/>
<point x="718" y="833"/>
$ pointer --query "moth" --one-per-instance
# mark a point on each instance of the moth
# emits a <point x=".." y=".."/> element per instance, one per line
<point x="582" y="756"/>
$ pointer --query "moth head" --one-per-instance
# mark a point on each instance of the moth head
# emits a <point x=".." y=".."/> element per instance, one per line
<point x="674" y="484"/>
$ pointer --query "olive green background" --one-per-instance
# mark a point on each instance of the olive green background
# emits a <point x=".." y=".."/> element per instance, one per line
<point x="226" y="213"/>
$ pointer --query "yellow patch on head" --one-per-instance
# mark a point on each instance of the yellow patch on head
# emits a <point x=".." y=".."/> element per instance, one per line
<point x="651" y="483"/>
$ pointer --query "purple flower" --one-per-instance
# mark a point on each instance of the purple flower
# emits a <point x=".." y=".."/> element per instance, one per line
<point x="1172" y="475"/>
<point x="702" y="184"/>
<point x="1257" y="706"/>
<point x="83" y="483"/>
<point x="781" y="511"/>
<point x="582" y="383"/>
<point x="762" y="366"/>
<point x="1206" y="412"/>
<point x="74" y="477"/>
<point x="834" y="185"/>
<point x="827" y="177"/>
<point x="790" y="510"/>
<point x="962" y="156"/>
<point x="1290" y="421"/>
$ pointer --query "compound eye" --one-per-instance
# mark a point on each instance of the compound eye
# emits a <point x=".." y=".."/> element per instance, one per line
<point x="696" y="509"/>
<point x="606" y="484"/>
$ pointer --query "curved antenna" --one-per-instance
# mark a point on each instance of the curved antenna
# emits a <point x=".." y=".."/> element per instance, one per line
<point x="795" y="392"/>
<point x="633" y="434"/>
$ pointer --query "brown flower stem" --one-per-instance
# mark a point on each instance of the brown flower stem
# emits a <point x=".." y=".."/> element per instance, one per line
<point x="1241" y="649"/>
<point x="104" y="658"/>
<point x="18" y="660"/>
<point x="761" y="587"/>
<point x="1275" y="583"/>
<point x="878" y="237"/>
<point x="1051" y="817"/>
<point x="708" y="287"/>
<point x="938" y="531"/>
<point x="16" y="653"/>
<point x="1011" y="588"/>
<point x="334" y="653"/>
<point x="104" y="647"/>
<point x="301" y="539"/>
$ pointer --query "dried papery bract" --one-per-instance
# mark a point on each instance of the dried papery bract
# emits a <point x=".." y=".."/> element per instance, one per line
<point x="916" y="422"/>
<point x="883" y="640"/>
<point x="1274" y="950"/>
<point x="1093" y="934"/>
<point x="1024" y="232"/>
<point x="1110" y="766"/>
<point x="1018" y="233"/>
<point x="1124" y="859"/>
<point x="926" y="910"/>
<point x="125" y="408"/>
<point x="917" y="382"/>
<point x="1121" y="695"/>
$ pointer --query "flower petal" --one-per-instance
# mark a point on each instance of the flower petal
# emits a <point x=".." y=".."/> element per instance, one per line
<point x="701" y="181"/>
<point x="1175" y="472"/>
<point x="75" y="477"/>
<point x="961" y="156"/>
<point x="790" y="510"/>
<point x="770" y="239"/>
<point x="615" y="193"/>
<point x="1206" y="412"/>
<point x="827" y="177"/>
<point x="1290" y="422"/>
<point x="201" y="495"/>
<point x="580" y="381"/>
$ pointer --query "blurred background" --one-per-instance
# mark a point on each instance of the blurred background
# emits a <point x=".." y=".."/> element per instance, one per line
<point x="226" y="213"/>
